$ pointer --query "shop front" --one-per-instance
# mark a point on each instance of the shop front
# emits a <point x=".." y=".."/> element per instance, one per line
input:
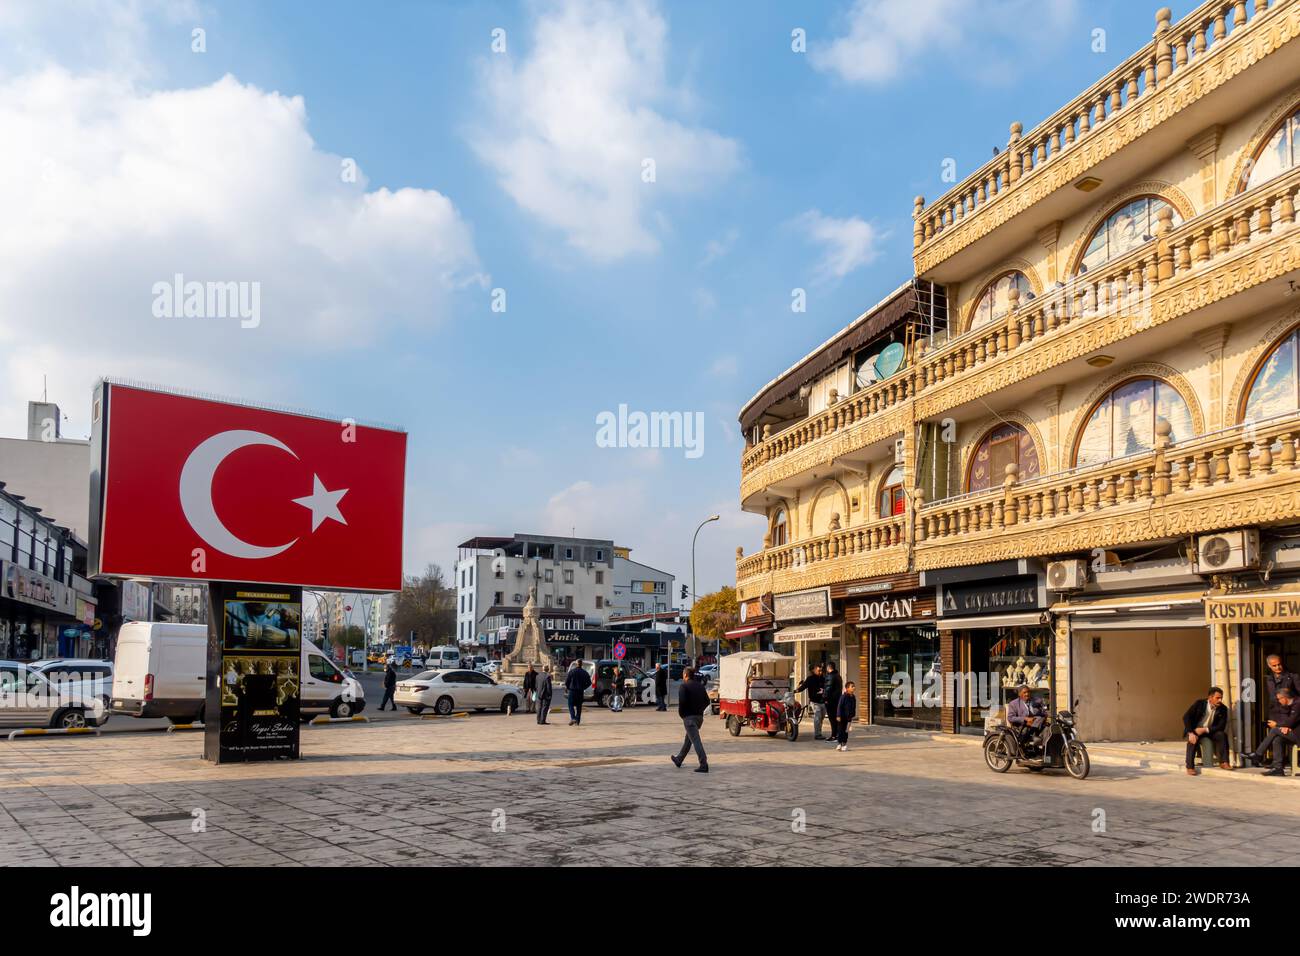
<point x="1135" y="661"/>
<point x="809" y="631"/>
<point x="34" y="611"/>
<point x="755" y="630"/>
<point x="994" y="635"/>
<point x="899" y="658"/>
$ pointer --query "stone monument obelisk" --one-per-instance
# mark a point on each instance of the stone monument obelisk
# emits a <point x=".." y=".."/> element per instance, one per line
<point x="530" y="643"/>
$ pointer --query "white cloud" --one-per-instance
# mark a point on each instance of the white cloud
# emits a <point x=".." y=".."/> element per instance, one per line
<point x="847" y="244"/>
<point x="715" y="249"/>
<point x="724" y="365"/>
<point x="110" y="189"/>
<point x="570" y="125"/>
<point x="886" y="36"/>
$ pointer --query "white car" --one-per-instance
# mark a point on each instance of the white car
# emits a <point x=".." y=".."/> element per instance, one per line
<point x="491" y="668"/>
<point x="446" y="691"/>
<point x="98" y="673"/>
<point x="29" y="699"/>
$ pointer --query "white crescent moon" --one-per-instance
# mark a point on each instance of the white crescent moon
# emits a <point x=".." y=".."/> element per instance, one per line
<point x="196" y="492"/>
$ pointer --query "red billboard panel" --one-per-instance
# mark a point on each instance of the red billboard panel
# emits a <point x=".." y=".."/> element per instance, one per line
<point x="187" y="488"/>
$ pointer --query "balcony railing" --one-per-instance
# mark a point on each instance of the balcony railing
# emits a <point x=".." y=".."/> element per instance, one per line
<point x="812" y="554"/>
<point x="1166" y="489"/>
<point x="1179" y="47"/>
<point x="1131" y="293"/>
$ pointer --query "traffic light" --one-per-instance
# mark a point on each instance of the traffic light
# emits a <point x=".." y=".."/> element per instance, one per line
<point x="683" y="592"/>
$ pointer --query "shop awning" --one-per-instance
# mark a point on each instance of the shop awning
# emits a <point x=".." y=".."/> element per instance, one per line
<point x="1280" y="605"/>
<point x="739" y="632"/>
<point x="1139" y="611"/>
<point x="791" y="635"/>
<point x="1025" y="619"/>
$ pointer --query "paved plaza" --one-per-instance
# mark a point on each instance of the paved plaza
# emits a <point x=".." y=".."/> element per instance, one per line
<point x="501" y="790"/>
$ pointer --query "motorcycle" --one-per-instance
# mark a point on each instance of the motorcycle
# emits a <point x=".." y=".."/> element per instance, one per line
<point x="1056" y="747"/>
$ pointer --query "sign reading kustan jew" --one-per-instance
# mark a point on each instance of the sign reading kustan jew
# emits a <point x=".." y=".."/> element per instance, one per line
<point x="186" y="488"/>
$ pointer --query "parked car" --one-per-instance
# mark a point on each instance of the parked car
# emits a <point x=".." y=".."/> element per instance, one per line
<point x="474" y="661"/>
<point x="602" y="680"/>
<point x="709" y="672"/>
<point x="161" y="671"/>
<point x="29" y="699"/>
<point x="98" y="672"/>
<point x="444" y="691"/>
<point x="417" y="662"/>
<point x="491" y="668"/>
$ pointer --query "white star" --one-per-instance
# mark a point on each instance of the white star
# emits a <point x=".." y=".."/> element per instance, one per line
<point x="323" y="504"/>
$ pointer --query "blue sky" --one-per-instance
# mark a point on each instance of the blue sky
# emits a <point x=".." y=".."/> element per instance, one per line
<point x="521" y="170"/>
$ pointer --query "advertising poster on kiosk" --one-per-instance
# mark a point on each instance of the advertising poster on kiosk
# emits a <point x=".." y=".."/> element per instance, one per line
<point x="258" y="661"/>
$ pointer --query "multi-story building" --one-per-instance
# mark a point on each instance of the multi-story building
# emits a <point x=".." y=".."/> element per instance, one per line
<point x="639" y="588"/>
<point x="1065" y="454"/>
<point x="493" y="575"/>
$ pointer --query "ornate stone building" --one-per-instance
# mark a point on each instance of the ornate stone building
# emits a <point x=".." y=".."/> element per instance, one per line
<point x="1066" y="452"/>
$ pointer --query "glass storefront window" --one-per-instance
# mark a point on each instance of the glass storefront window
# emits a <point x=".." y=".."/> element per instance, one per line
<point x="993" y="662"/>
<point x="907" y="675"/>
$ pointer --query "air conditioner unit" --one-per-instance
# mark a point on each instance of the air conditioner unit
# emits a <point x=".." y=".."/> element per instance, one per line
<point x="898" y="452"/>
<point x="1227" y="551"/>
<point x="1067" y="575"/>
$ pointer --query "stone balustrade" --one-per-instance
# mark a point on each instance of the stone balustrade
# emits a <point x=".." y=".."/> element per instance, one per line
<point x="1175" y="49"/>
<point x="812" y="556"/>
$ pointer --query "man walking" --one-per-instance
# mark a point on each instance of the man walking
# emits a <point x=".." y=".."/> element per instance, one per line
<point x="834" y="687"/>
<point x="661" y="687"/>
<point x="692" y="699"/>
<point x="576" y="683"/>
<point x="543" y="688"/>
<point x="815" y="685"/>
<point x="530" y="688"/>
<point x="1207" y="718"/>
<point x="390" y="685"/>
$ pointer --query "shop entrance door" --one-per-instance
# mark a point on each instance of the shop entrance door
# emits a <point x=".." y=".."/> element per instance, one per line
<point x="1286" y="643"/>
<point x="907" y="685"/>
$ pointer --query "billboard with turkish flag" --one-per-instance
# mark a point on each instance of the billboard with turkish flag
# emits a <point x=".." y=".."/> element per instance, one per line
<point x="200" y="489"/>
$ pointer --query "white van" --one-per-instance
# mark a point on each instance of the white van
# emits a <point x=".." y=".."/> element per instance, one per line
<point x="161" y="669"/>
<point x="442" y="659"/>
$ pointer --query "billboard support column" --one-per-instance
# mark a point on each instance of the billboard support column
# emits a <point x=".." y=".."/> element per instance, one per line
<point x="254" y="673"/>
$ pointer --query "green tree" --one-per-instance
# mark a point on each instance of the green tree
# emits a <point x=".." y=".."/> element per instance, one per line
<point x="348" y="636"/>
<point x="426" y="605"/>
<point x="715" y="614"/>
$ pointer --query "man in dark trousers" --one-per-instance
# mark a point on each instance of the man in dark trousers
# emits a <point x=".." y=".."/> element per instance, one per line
<point x="661" y="687"/>
<point x="530" y="686"/>
<point x="1283" y="721"/>
<point x="390" y="685"/>
<point x="815" y="685"/>
<point x="834" y="687"/>
<point x="692" y="699"/>
<point x="576" y="683"/>
<point x="544" y="695"/>
<point x="1207" y="717"/>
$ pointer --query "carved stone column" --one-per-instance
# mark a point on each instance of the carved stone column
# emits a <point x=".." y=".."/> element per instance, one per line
<point x="1213" y="341"/>
<point x="1205" y="147"/>
<point x="1049" y="237"/>
<point x="1051" y="398"/>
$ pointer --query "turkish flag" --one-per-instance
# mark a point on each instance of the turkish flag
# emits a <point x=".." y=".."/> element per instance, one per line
<point x="195" y="489"/>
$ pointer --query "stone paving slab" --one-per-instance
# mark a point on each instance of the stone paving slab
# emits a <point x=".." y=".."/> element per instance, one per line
<point x="496" y="790"/>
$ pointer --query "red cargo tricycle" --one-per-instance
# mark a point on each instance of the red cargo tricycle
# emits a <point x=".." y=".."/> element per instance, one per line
<point x="754" y="691"/>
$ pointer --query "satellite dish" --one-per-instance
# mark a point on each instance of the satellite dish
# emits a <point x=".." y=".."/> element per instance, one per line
<point x="890" y="360"/>
<point x="867" y="373"/>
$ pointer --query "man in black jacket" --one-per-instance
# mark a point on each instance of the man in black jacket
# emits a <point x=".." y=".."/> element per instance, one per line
<point x="1279" y="677"/>
<point x="692" y="699"/>
<point x="576" y="683"/>
<point x="390" y="685"/>
<point x="1283" y="720"/>
<point x="815" y="685"/>
<point x="661" y="687"/>
<point x="1207" y="718"/>
<point x="834" y="687"/>
<point x="530" y="687"/>
<point x="544" y="696"/>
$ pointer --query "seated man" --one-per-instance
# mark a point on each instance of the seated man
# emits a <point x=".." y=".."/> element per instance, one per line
<point x="1027" y="714"/>
<point x="1207" y="718"/>
<point x="1283" y="719"/>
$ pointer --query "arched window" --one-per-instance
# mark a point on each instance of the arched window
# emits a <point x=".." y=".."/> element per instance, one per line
<point x="1124" y="421"/>
<point x="1275" y="390"/>
<point x="1126" y="228"/>
<point x="779" y="529"/>
<point x="996" y="299"/>
<point x="892" y="499"/>
<point x="1281" y="151"/>
<point x="1008" y="444"/>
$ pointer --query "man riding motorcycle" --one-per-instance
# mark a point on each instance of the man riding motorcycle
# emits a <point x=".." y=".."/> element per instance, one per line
<point x="1028" y="714"/>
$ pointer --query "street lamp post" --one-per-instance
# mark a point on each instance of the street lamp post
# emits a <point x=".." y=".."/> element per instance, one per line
<point x="693" y="540"/>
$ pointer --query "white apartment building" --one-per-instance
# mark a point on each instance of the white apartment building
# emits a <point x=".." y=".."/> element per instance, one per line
<point x="639" y="588"/>
<point x="493" y="574"/>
